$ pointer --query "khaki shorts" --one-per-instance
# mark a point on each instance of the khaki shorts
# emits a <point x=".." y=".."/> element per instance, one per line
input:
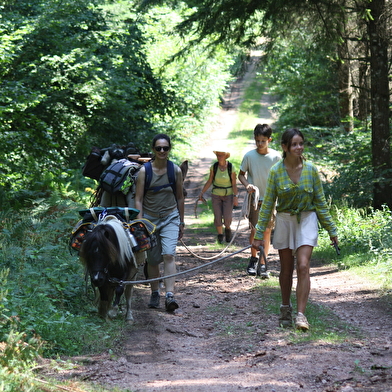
<point x="167" y="229"/>
<point x="254" y="215"/>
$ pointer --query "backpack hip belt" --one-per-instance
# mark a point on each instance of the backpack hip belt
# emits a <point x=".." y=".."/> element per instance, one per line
<point x="222" y="187"/>
<point x="161" y="214"/>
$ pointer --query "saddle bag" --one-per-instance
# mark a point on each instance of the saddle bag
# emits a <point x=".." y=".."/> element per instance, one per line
<point x="79" y="233"/>
<point x="142" y="230"/>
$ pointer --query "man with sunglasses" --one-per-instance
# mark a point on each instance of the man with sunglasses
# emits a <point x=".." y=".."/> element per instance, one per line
<point x="163" y="204"/>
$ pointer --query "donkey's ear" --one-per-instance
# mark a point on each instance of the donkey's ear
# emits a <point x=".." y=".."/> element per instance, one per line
<point x="184" y="169"/>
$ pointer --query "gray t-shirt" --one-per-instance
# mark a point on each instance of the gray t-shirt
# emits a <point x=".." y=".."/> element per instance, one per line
<point x="161" y="202"/>
<point x="257" y="166"/>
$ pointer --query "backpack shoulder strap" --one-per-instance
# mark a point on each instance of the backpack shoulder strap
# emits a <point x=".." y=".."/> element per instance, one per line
<point x="229" y="169"/>
<point x="215" y="169"/>
<point x="171" y="175"/>
<point x="148" y="175"/>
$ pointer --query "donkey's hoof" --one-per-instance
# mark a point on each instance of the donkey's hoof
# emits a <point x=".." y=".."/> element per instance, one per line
<point x="113" y="312"/>
<point x="129" y="318"/>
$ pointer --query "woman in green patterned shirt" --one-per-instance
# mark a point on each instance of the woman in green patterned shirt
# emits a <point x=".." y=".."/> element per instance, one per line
<point x="296" y="186"/>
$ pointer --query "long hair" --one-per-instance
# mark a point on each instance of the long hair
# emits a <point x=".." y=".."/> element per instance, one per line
<point x="287" y="138"/>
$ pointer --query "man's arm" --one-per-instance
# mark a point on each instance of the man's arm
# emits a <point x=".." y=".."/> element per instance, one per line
<point x="243" y="180"/>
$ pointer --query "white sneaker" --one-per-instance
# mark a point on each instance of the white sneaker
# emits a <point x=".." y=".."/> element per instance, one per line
<point x="301" y="322"/>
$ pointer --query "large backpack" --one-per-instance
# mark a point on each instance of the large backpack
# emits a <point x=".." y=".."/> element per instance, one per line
<point x="99" y="158"/>
<point x="93" y="167"/>
<point x="119" y="176"/>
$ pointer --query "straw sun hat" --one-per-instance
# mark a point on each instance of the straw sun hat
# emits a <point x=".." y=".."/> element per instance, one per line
<point x="227" y="154"/>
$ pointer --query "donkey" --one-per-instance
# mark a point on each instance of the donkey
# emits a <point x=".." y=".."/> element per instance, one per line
<point x="107" y="256"/>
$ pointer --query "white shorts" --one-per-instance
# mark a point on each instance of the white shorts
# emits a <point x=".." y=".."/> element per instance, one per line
<point x="291" y="234"/>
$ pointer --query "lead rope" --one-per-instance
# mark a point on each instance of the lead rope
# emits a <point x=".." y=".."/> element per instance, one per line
<point x="127" y="282"/>
<point x="244" y="213"/>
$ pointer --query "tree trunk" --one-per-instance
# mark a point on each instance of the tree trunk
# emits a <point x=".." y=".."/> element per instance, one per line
<point x="381" y="155"/>
<point x="345" y="94"/>
<point x="363" y="95"/>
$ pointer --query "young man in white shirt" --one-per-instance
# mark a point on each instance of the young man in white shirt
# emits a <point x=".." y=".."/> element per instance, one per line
<point x="254" y="170"/>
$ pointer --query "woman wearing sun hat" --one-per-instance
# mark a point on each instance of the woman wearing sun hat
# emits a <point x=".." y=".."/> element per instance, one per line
<point x="224" y="193"/>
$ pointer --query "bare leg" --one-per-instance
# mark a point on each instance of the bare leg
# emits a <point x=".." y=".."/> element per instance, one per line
<point x="304" y="254"/>
<point x="286" y="274"/>
<point x="253" y="252"/>
<point x="169" y="269"/>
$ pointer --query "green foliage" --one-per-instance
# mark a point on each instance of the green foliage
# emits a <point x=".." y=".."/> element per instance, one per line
<point x="304" y="81"/>
<point x="74" y="74"/>
<point x="68" y="81"/>
<point x="45" y="287"/>
<point x="197" y="78"/>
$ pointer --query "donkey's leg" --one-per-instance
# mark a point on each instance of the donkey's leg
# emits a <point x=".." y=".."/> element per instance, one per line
<point x="112" y="308"/>
<point x="128" y="295"/>
<point x="103" y="303"/>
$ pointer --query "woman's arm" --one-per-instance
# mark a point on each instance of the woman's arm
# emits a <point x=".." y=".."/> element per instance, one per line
<point x="207" y="184"/>
<point x="180" y="199"/>
<point x="234" y="186"/>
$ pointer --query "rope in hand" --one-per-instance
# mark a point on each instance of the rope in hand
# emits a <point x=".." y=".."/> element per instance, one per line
<point x="127" y="282"/>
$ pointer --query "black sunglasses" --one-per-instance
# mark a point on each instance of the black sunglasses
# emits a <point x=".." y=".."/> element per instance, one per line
<point x="160" y="148"/>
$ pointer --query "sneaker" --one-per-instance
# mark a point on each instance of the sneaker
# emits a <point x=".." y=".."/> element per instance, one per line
<point x="155" y="299"/>
<point x="262" y="271"/>
<point x="301" y="322"/>
<point x="286" y="318"/>
<point x="171" y="304"/>
<point x="228" y="234"/>
<point x="252" y="266"/>
<point x="220" y="238"/>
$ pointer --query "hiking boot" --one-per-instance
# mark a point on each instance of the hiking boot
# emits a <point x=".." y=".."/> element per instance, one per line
<point x="262" y="271"/>
<point x="252" y="266"/>
<point x="220" y="238"/>
<point x="155" y="299"/>
<point x="301" y="322"/>
<point x="286" y="317"/>
<point x="171" y="304"/>
<point x="228" y="234"/>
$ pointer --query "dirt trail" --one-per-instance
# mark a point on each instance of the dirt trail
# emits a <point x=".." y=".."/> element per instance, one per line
<point x="225" y="337"/>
